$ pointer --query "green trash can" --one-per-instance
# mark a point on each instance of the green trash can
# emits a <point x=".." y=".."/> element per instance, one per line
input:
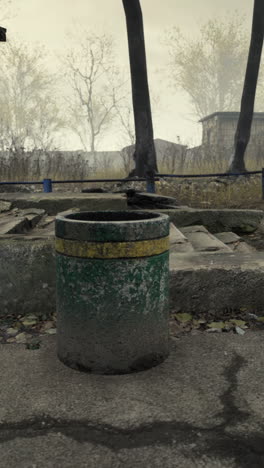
<point x="112" y="290"/>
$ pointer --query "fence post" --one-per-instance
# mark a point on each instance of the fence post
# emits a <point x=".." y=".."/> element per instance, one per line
<point x="262" y="183"/>
<point x="47" y="185"/>
<point x="151" y="186"/>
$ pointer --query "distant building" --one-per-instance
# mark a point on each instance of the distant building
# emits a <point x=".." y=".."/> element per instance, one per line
<point x="170" y="155"/>
<point x="219" y="128"/>
<point x="218" y="136"/>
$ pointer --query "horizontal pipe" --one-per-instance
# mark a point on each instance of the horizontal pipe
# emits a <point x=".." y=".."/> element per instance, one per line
<point x="187" y="176"/>
<point x="182" y="176"/>
<point x="21" y="183"/>
<point x="97" y="180"/>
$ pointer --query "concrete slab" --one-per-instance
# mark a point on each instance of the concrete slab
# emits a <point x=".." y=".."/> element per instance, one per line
<point x="178" y="242"/>
<point x="33" y="219"/>
<point x="212" y="282"/>
<point x="234" y="242"/>
<point x="56" y="202"/>
<point x="149" y="200"/>
<point x="228" y="237"/>
<point x="33" y="215"/>
<point x="202" y="240"/>
<point x="195" y="228"/>
<point x="5" y="206"/>
<point x="218" y="220"/>
<point x="35" y="211"/>
<point x="17" y="225"/>
<point x="202" y="408"/>
<point x="243" y="247"/>
<point x="176" y="236"/>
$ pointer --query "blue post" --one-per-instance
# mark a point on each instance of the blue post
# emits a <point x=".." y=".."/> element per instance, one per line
<point x="151" y="186"/>
<point x="47" y="185"/>
<point x="262" y="183"/>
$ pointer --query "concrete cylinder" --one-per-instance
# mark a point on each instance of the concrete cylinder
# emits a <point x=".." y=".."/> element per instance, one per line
<point x="112" y="290"/>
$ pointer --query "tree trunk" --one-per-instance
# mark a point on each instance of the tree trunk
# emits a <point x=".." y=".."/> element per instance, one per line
<point x="145" y="153"/>
<point x="2" y="34"/>
<point x="242" y="135"/>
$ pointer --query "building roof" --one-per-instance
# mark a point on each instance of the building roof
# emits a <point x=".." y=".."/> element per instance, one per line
<point x="160" y="143"/>
<point x="230" y="115"/>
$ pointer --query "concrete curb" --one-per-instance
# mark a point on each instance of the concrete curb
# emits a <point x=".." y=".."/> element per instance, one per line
<point x="198" y="282"/>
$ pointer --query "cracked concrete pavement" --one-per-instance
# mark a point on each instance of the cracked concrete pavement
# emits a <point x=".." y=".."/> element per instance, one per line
<point x="203" y="407"/>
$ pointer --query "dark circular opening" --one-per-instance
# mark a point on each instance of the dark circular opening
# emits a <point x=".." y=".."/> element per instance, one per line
<point x="111" y="216"/>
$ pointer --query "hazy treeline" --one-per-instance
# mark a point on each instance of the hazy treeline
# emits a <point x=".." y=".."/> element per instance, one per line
<point x="88" y="97"/>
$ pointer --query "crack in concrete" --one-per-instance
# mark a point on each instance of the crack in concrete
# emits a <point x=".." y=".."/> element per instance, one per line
<point x="231" y="413"/>
<point x="245" y="450"/>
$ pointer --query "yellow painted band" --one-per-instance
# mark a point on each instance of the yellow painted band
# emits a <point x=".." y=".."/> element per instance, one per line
<point x="86" y="249"/>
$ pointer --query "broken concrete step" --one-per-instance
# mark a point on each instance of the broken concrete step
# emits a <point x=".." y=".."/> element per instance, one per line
<point x="149" y="200"/>
<point x="33" y="219"/>
<point x="46" y="222"/>
<point x="28" y="211"/>
<point x="178" y="242"/>
<point x="195" y="228"/>
<point x="203" y="241"/>
<point x="33" y="215"/>
<point x="243" y="247"/>
<point x="176" y="236"/>
<point x="234" y="242"/>
<point x="14" y="226"/>
<point x="5" y="206"/>
<point x="228" y="238"/>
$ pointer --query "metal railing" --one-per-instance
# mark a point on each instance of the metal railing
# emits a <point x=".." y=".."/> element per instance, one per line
<point x="150" y="185"/>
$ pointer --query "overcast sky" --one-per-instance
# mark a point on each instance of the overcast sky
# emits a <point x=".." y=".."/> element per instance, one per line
<point x="46" y="22"/>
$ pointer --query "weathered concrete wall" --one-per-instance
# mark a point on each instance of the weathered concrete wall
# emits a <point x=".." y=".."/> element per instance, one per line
<point x="27" y="275"/>
<point x="215" y="283"/>
<point x="54" y="203"/>
<point x="198" y="283"/>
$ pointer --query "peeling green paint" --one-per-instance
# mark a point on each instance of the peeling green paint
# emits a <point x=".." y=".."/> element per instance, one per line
<point x="112" y="314"/>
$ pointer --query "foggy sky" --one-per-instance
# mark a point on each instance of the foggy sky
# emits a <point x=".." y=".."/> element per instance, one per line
<point x="46" y="22"/>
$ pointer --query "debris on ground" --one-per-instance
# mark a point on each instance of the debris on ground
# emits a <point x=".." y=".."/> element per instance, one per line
<point x="237" y="322"/>
<point x="28" y="329"/>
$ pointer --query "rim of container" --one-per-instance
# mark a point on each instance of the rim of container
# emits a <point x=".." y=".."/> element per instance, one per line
<point x="155" y="217"/>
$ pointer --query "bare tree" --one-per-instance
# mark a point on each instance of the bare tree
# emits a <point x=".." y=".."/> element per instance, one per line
<point x="145" y="154"/>
<point x="2" y="34"/>
<point x="94" y="81"/>
<point x="5" y="7"/>
<point x="124" y="113"/>
<point x="29" y="114"/>
<point x="47" y="125"/>
<point x="210" y="68"/>
<point x="242" y="135"/>
<point x="7" y="10"/>
<point x="125" y="116"/>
